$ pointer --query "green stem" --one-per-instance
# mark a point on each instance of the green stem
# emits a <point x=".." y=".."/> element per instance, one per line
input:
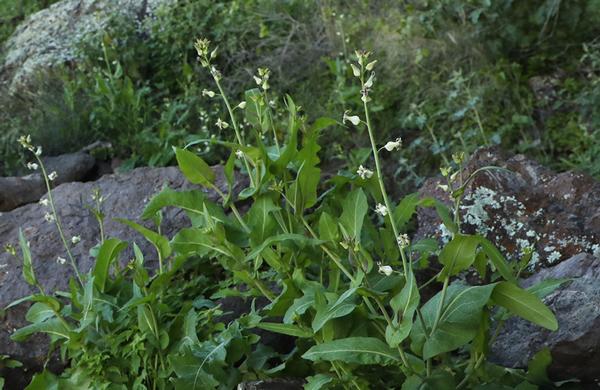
<point x="438" y="314"/>
<point x="57" y="221"/>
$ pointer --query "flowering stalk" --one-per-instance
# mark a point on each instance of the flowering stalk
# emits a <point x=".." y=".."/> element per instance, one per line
<point x="37" y="152"/>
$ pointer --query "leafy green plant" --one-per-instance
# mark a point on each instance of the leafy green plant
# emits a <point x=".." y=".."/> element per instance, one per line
<point x="330" y="258"/>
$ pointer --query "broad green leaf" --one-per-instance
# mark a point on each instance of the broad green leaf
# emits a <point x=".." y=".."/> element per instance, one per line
<point x="298" y="239"/>
<point x="191" y="373"/>
<point x="190" y="201"/>
<point x="354" y="350"/>
<point x="194" y="168"/>
<point x="524" y="304"/>
<point x="44" y="381"/>
<point x="538" y="366"/>
<point x="161" y="243"/>
<point x="287" y="329"/>
<point x="546" y="287"/>
<point x="344" y="305"/>
<point x="28" y="273"/>
<point x="39" y="312"/>
<point x="299" y="307"/>
<point x="404" y="305"/>
<point x="260" y="221"/>
<point x="355" y="208"/>
<point x="109" y="251"/>
<point x="444" y="213"/>
<point x="328" y="229"/>
<point x="317" y="382"/>
<point x="53" y="327"/>
<point x="405" y="210"/>
<point x="497" y="259"/>
<point x="459" y="320"/>
<point x="458" y="254"/>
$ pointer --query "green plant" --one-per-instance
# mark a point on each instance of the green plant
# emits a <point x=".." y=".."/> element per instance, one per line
<point x="338" y="278"/>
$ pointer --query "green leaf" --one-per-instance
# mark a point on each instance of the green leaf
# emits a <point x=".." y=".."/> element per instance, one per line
<point x="538" y="366"/>
<point x="446" y="217"/>
<point x="546" y="287"/>
<point x="344" y="305"/>
<point x="355" y="208"/>
<point x="459" y="320"/>
<point x="458" y="254"/>
<point x="298" y="239"/>
<point x="194" y="168"/>
<point x="109" y="251"/>
<point x="287" y="329"/>
<point x="259" y="219"/>
<point x="328" y="229"/>
<point x="44" y="381"/>
<point x="317" y="382"/>
<point x="190" y="201"/>
<point x="354" y="350"/>
<point x="497" y="259"/>
<point x="161" y="243"/>
<point x="524" y="304"/>
<point x="406" y="209"/>
<point x="404" y="305"/>
<point x="53" y="327"/>
<point x="39" y="312"/>
<point x="28" y="273"/>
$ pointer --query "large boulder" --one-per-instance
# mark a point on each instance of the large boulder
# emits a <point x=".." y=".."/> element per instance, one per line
<point x="125" y="197"/>
<point x="17" y="191"/>
<point x="50" y="37"/>
<point x="525" y="205"/>
<point x="575" y="346"/>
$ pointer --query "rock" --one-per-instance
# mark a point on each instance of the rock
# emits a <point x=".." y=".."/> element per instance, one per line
<point x="17" y="191"/>
<point x="557" y="214"/>
<point x="50" y="37"/>
<point x="575" y="346"/>
<point x="125" y="194"/>
<point x="273" y="384"/>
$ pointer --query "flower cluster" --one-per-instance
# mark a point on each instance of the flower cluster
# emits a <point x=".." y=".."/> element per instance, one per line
<point x="263" y="78"/>
<point x="381" y="209"/>
<point x="364" y="173"/>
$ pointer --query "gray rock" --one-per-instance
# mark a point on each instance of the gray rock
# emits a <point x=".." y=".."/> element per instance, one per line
<point x="273" y="384"/>
<point x="126" y="196"/>
<point x="526" y="205"/>
<point x="17" y="191"/>
<point x="50" y="37"/>
<point x="575" y="346"/>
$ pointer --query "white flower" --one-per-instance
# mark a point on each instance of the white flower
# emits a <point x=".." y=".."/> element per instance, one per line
<point x="25" y="141"/>
<point x="239" y="154"/>
<point x="75" y="239"/>
<point x="221" y="124"/>
<point x="403" y="240"/>
<point x="381" y="209"/>
<point x="206" y="92"/>
<point x="369" y="82"/>
<point x="44" y="202"/>
<point x="365" y="98"/>
<point x="242" y="105"/>
<point x="53" y="175"/>
<point x="393" y="145"/>
<point x="355" y="70"/>
<point x="386" y="270"/>
<point x="61" y="260"/>
<point x="258" y="80"/>
<point x="38" y="151"/>
<point x="49" y="217"/>
<point x="370" y="65"/>
<point x="364" y="173"/>
<point x="354" y="119"/>
<point x="33" y="166"/>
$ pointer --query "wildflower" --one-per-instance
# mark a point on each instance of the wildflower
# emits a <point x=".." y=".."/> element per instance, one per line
<point x="362" y="56"/>
<point x="44" y="202"/>
<point x="61" y="260"/>
<point x="364" y="173"/>
<point x="38" y="151"/>
<point x="443" y="187"/>
<point x="215" y="73"/>
<point x="393" y="145"/>
<point x="201" y="45"/>
<point x="258" y="80"/>
<point x="354" y="119"/>
<point x="369" y="83"/>
<point x="75" y="240"/>
<point x="53" y="175"/>
<point x="385" y="270"/>
<point x="381" y="209"/>
<point x="10" y="249"/>
<point x="221" y="124"/>
<point x="355" y="70"/>
<point x="458" y="157"/>
<point x="206" y="92"/>
<point x="403" y="240"/>
<point x="239" y="154"/>
<point x="371" y="65"/>
<point x="242" y="105"/>
<point x="25" y="141"/>
<point x="33" y="166"/>
<point x="445" y="171"/>
<point x="49" y="217"/>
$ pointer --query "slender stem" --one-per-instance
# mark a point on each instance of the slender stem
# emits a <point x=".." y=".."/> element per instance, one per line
<point x="384" y="194"/>
<point x="438" y="314"/>
<point x="57" y="220"/>
<point x="235" y="126"/>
